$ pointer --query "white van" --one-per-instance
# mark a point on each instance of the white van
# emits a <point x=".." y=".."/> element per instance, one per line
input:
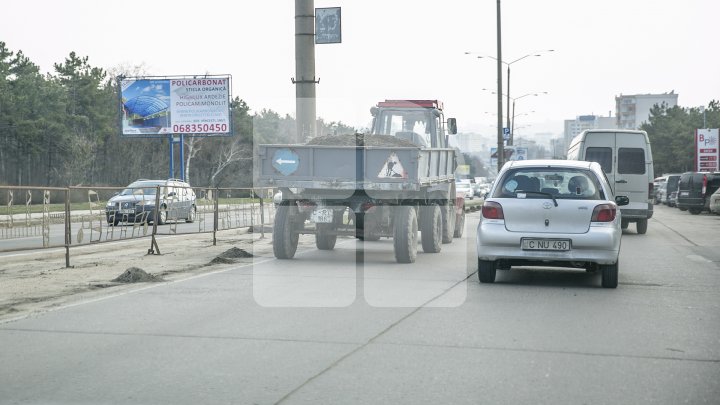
<point x="626" y="159"/>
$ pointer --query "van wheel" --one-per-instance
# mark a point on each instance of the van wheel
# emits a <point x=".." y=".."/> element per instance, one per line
<point x="695" y="211"/>
<point x="642" y="226"/>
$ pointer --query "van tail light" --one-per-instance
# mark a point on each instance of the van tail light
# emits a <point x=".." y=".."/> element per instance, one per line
<point x="604" y="213"/>
<point x="492" y="210"/>
<point x="650" y="190"/>
<point x="704" y="188"/>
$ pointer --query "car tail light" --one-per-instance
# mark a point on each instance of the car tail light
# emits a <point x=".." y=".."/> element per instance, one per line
<point x="492" y="210"/>
<point x="704" y="187"/>
<point x="651" y="188"/>
<point x="604" y="213"/>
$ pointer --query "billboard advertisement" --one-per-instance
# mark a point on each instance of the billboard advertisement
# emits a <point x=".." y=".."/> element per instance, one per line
<point x="194" y="106"/>
<point x="707" y="157"/>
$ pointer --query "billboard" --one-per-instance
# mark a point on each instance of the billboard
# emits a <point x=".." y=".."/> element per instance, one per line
<point x="707" y="157"/>
<point x="194" y="106"/>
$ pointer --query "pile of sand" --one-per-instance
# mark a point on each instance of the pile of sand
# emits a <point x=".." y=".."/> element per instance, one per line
<point x="230" y="256"/>
<point x="360" y="140"/>
<point x="136" y="275"/>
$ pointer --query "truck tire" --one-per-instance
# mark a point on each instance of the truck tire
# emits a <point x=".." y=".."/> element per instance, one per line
<point x="323" y="239"/>
<point x="431" y="228"/>
<point x="405" y="234"/>
<point x="460" y="225"/>
<point x="448" y="221"/>
<point x="642" y="226"/>
<point x="695" y="211"/>
<point x="624" y="223"/>
<point x="285" y="240"/>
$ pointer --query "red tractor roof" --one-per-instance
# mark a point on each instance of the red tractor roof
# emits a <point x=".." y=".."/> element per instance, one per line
<point x="411" y="104"/>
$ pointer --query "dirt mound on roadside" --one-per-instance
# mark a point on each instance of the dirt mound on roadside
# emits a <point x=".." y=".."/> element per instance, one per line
<point x="136" y="275"/>
<point x="360" y="140"/>
<point x="230" y="256"/>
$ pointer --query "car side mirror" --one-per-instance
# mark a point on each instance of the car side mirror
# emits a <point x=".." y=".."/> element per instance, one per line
<point x="622" y="200"/>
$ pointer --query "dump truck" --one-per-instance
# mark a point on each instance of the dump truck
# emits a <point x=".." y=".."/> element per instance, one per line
<point x="392" y="182"/>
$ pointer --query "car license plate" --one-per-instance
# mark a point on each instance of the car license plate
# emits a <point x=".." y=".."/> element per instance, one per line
<point x="684" y="193"/>
<point x="322" y="216"/>
<point x="560" y="245"/>
<point x="127" y="211"/>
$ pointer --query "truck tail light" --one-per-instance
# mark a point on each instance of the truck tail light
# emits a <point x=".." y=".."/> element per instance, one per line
<point x="604" y="213"/>
<point x="492" y="210"/>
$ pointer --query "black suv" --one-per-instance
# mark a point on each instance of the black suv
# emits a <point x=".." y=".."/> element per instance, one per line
<point x="695" y="189"/>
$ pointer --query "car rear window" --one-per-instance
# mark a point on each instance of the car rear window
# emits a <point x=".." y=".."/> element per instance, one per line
<point x="560" y="183"/>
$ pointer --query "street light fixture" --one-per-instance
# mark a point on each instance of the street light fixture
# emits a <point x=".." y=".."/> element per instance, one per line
<point x="538" y="53"/>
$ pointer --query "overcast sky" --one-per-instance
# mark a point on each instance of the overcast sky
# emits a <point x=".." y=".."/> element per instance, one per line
<point x="399" y="49"/>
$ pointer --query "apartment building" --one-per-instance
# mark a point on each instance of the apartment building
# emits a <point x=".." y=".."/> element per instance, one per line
<point x="632" y="110"/>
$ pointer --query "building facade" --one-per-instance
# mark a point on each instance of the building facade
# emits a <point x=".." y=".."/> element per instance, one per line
<point x="583" y="122"/>
<point x="632" y="110"/>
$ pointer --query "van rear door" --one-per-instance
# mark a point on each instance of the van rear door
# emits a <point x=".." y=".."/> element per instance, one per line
<point x="625" y="159"/>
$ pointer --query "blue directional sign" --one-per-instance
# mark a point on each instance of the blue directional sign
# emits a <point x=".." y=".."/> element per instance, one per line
<point x="285" y="161"/>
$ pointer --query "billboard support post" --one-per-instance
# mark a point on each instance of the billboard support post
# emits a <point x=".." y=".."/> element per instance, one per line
<point x="171" y="143"/>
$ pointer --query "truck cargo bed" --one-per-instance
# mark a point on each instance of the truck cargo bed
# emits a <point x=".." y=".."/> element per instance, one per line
<point x="353" y="167"/>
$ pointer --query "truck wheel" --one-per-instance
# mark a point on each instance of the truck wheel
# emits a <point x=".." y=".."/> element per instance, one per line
<point x="323" y="239"/>
<point x="431" y="228"/>
<point x="448" y="221"/>
<point x="624" y="223"/>
<point x="366" y="227"/>
<point x="460" y="225"/>
<point x="610" y="275"/>
<point x="695" y="211"/>
<point x="285" y="241"/>
<point x="486" y="271"/>
<point x="405" y="234"/>
<point x="642" y="226"/>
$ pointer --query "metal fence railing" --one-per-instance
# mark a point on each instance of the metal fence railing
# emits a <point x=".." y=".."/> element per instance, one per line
<point x="54" y="217"/>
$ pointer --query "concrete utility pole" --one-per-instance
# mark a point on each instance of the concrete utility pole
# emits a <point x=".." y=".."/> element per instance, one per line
<point x="500" y="141"/>
<point x="304" y="79"/>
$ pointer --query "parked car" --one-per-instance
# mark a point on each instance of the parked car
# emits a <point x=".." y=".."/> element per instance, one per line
<point x="694" y="190"/>
<point x="658" y="187"/>
<point x="550" y="213"/>
<point x="136" y="203"/>
<point x="670" y="189"/>
<point x="714" y="204"/>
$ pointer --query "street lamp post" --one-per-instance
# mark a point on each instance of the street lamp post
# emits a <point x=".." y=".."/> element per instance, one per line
<point x="538" y="53"/>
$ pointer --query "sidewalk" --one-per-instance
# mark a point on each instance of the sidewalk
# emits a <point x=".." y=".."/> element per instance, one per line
<point x="38" y="281"/>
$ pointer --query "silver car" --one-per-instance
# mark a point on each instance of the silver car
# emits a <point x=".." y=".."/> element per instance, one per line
<point x="552" y="213"/>
<point x="136" y="203"/>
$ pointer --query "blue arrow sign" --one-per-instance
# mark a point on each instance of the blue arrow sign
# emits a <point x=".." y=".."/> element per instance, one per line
<point x="285" y="161"/>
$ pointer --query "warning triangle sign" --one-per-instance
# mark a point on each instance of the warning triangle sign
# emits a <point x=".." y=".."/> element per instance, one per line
<point x="392" y="168"/>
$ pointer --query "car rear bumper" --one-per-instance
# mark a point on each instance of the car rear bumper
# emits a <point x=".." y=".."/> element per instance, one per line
<point x="601" y="244"/>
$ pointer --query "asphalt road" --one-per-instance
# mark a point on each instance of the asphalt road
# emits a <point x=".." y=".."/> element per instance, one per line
<point x="352" y="326"/>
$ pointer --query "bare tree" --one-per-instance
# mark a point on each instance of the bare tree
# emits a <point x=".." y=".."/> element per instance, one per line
<point x="234" y="153"/>
<point x="193" y="146"/>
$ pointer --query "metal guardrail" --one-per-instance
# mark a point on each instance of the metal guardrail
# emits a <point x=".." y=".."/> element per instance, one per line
<point x="36" y="217"/>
